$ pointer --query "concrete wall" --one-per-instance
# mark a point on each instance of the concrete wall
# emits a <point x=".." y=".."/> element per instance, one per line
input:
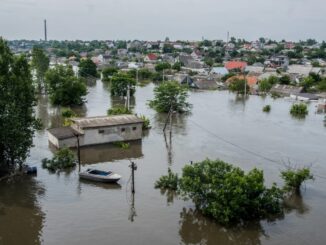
<point x="112" y="134"/>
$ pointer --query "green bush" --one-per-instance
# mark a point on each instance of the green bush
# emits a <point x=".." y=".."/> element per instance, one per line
<point x="122" y="145"/>
<point x="227" y="194"/>
<point x="147" y="123"/>
<point x="118" y="110"/>
<point x="64" y="158"/>
<point x="68" y="113"/>
<point x="294" y="178"/>
<point x="169" y="181"/>
<point x="267" y="108"/>
<point x="299" y="110"/>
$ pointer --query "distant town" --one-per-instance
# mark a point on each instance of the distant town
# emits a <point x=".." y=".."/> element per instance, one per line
<point x="286" y="67"/>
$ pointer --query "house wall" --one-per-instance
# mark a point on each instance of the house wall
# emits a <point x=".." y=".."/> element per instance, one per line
<point x="102" y="135"/>
<point x="53" y="140"/>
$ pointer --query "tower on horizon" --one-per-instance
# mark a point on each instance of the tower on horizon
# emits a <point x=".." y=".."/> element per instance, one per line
<point x="45" y="32"/>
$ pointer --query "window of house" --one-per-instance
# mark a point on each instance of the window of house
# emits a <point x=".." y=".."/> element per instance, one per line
<point x="134" y="128"/>
<point x="123" y="129"/>
<point x="101" y="131"/>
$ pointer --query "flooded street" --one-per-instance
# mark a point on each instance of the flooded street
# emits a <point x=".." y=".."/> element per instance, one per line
<point x="61" y="209"/>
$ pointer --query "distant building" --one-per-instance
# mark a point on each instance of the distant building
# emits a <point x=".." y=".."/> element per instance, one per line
<point x="285" y="90"/>
<point x="233" y="65"/>
<point x="150" y="57"/>
<point x="97" y="130"/>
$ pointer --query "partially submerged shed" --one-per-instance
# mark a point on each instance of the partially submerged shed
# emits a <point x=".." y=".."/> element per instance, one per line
<point x="97" y="130"/>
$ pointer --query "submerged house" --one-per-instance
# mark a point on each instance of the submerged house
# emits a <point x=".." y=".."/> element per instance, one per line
<point x="97" y="130"/>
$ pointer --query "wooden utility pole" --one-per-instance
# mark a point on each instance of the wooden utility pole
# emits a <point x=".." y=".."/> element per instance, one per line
<point x="78" y="149"/>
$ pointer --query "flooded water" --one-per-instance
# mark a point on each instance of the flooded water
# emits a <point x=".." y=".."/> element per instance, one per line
<point x="61" y="209"/>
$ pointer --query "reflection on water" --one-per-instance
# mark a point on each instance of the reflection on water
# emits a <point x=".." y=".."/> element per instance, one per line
<point x="110" y="152"/>
<point x="197" y="229"/>
<point x="20" y="214"/>
<point x="295" y="202"/>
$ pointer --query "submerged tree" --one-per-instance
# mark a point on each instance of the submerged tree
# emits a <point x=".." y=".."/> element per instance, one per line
<point x="170" y="96"/>
<point x="227" y="193"/>
<point x="64" y="87"/>
<point x="294" y="178"/>
<point x="40" y="62"/>
<point x="87" y="69"/>
<point x="239" y="86"/>
<point x="120" y="83"/>
<point x="17" y="99"/>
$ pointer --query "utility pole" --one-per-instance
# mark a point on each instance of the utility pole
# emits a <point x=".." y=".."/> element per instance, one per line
<point x="133" y="167"/>
<point x="78" y="149"/>
<point x="137" y="75"/>
<point x="163" y="75"/>
<point x="45" y="32"/>
<point x="128" y="97"/>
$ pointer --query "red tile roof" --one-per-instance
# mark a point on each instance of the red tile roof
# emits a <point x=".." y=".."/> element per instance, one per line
<point x="230" y="65"/>
<point x="152" y="57"/>
<point x="251" y="80"/>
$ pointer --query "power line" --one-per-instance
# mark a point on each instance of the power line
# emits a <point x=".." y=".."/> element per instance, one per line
<point x="244" y="149"/>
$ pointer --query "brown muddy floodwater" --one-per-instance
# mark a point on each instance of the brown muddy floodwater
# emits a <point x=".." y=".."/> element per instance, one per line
<point x="61" y="209"/>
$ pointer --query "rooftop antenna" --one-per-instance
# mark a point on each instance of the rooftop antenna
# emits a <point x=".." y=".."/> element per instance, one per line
<point x="45" y="32"/>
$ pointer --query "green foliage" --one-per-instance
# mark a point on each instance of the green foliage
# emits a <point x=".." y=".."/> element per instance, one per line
<point x="170" y="95"/>
<point x="119" y="84"/>
<point x="118" y="110"/>
<point x="267" y="108"/>
<point x="87" y="68"/>
<point x="108" y="72"/>
<point x="299" y="110"/>
<point x="238" y="86"/>
<point x="227" y="194"/>
<point x="294" y="178"/>
<point x="40" y="62"/>
<point x="169" y="181"/>
<point x="122" y="145"/>
<point x="265" y="86"/>
<point x="67" y="113"/>
<point x="176" y="66"/>
<point x="322" y="85"/>
<point x="147" y="123"/>
<point x="162" y="66"/>
<point x="64" y="87"/>
<point x="64" y="158"/>
<point x="285" y="80"/>
<point x="17" y="101"/>
<point x="227" y="76"/>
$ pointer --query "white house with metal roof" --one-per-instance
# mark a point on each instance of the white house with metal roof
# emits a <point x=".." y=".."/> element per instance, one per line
<point x="97" y="130"/>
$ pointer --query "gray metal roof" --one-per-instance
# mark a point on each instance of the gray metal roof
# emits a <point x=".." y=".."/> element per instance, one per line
<point x="63" y="132"/>
<point x="104" y="121"/>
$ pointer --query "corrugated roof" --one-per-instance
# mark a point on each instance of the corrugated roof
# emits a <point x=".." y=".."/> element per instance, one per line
<point x="103" y="121"/>
<point x="63" y="132"/>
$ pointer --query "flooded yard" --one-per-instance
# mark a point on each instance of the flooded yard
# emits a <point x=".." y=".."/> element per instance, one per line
<point x="61" y="209"/>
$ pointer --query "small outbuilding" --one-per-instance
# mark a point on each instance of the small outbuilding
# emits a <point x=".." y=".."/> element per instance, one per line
<point x="97" y="130"/>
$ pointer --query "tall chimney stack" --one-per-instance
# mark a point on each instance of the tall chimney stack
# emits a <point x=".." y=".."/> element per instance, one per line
<point x="45" y="32"/>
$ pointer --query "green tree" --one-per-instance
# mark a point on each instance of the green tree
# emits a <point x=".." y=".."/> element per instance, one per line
<point x="87" y="69"/>
<point x="120" y="83"/>
<point x="176" y="66"/>
<point x="118" y="110"/>
<point x="264" y="86"/>
<point x="17" y="101"/>
<point x="162" y="66"/>
<point x="64" y="87"/>
<point x="299" y="110"/>
<point x="238" y="86"/>
<point x="108" y="72"/>
<point x="170" y="95"/>
<point x="40" y="62"/>
<point x="227" y="193"/>
<point x="285" y="80"/>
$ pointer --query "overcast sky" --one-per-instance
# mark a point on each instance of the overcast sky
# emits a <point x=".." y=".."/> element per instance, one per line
<point x="157" y="19"/>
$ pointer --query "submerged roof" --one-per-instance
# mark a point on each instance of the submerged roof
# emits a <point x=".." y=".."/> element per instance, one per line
<point x="103" y="121"/>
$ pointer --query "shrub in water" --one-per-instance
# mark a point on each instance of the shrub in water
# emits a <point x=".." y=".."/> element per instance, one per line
<point x="267" y="108"/>
<point x="119" y="110"/>
<point x="294" y="178"/>
<point x="64" y="158"/>
<point x="299" y="110"/>
<point x="169" y="181"/>
<point x="146" y="124"/>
